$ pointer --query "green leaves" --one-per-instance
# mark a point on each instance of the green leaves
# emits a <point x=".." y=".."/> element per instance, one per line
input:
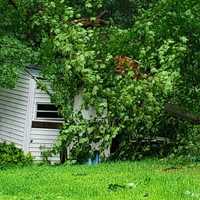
<point x="13" y="57"/>
<point x="163" y="37"/>
<point x="11" y="155"/>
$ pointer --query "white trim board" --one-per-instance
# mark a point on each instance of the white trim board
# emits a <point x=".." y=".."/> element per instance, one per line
<point x="30" y="107"/>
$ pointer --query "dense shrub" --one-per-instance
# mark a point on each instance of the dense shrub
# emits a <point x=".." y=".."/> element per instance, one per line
<point x="11" y="155"/>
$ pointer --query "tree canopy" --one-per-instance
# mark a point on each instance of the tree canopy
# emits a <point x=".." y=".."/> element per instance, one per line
<point x="127" y="58"/>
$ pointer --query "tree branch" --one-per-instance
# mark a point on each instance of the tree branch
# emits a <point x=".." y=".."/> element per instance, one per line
<point x="88" y="22"/>
<point x="177" y="111"/>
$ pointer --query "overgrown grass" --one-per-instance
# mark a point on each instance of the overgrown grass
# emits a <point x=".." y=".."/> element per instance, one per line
<point x="152" y="180"/>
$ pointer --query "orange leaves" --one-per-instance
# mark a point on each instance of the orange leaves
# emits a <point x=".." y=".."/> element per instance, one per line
<point x="125" y="64"/>
<point x="87" y="22"/>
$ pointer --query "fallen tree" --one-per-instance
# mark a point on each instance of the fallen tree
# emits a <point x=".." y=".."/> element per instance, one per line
<point x="181" y="113"/>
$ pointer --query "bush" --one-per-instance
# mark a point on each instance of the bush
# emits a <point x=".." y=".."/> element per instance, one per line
<point x="11" y="155"/>
<point x="188" y="145"/>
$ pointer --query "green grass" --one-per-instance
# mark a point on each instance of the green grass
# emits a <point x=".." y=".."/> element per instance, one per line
<point x="116" y="181"/>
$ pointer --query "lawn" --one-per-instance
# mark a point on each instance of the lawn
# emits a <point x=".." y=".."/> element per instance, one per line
<point x="148" y="179"/>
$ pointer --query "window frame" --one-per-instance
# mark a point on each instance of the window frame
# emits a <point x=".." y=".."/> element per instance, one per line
<point x="45" y="119"/>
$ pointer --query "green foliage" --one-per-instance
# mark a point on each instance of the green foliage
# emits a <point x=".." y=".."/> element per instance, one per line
<point x="16" y="51"/>
<point x="166" y="43"/>
<point x="133" y="107"/>
<point x="10" y="155"/>
<point x="187" y="145"/>
<point x="162" y="35"/>
<point x="82" y="60"/>
<point x="13" y="58"/>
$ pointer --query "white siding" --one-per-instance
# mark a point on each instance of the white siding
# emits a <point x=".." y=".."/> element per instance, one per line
<point x="86" y="113"/>
<point x="42" y="139"/>
<point x="40" y="97"/>
<point x="13" y="108"/>
<point x="17" y="110"/>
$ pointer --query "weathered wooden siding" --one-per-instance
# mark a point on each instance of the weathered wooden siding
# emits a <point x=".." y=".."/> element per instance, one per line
<point x="13" y="109"/>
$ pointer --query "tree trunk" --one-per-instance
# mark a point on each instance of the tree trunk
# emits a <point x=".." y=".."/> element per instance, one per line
<point x="179" y="112"/>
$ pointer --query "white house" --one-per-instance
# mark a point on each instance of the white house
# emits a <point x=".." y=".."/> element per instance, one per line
<point x="27" y="117"/>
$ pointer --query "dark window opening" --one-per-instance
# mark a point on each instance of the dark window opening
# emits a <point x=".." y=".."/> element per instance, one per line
<point x="47" y="107"/>
<point x="47" y="114"/>
<point x="49" y="125"/>
<point x="47" y="111"/>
